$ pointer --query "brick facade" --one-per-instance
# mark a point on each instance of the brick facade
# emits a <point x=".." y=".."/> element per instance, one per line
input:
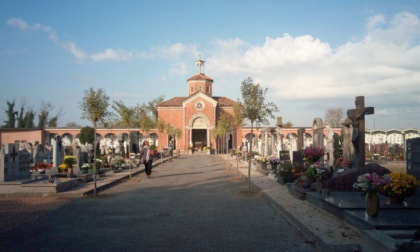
<point x="196" y="115"/>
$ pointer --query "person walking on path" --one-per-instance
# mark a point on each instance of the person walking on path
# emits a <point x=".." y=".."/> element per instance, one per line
<point x="171" y="149"/>
<point x="147" y="158"/>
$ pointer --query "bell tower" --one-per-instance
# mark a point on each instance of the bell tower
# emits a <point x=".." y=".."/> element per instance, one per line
<point x="200" y="82"/>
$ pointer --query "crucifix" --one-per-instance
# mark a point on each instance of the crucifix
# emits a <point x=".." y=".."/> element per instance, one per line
<point x="357" y="117"/>
<point x="14" y="154"/>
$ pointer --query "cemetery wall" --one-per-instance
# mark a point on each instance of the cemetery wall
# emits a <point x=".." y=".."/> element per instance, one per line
<point x="29" y="135"/>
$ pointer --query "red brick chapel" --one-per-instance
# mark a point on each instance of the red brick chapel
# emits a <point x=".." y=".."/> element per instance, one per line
<point x="197" y="114"/>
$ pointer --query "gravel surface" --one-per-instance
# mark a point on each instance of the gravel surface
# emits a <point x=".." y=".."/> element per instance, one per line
<point x="324" y="226"/>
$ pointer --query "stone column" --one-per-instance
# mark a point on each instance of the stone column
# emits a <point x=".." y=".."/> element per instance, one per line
<point x="318" y="133"/>
<point x="301" y="132"/>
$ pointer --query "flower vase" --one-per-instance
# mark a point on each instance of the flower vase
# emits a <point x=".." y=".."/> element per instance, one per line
<point x="263" y="166"/>
<point x="69" y="172"/>
<point x="372" y="205"/>
<point x="318" y="185"/>
<point x="274" y="167"/>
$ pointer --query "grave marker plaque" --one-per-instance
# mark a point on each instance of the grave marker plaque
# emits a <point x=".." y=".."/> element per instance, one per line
<point x="413" y="157"/>
<point x="284" y="156"/>
<point x="298" y="157"/>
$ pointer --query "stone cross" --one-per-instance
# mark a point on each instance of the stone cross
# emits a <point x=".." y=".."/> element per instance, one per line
<point x="357" y="117"/>
<point x="13" y="154"/>
<point x="279" y="135"/>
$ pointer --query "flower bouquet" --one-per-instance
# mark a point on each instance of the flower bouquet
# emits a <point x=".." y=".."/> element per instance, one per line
<point x="371" y="183"/>
<point x="312" y="154"/>
<point x="321" y="171"/>
<point x="400" y="186"/>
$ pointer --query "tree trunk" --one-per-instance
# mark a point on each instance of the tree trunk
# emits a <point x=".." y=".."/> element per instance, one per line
<point x="94" y="158"/>
<point x="249" y="159"/>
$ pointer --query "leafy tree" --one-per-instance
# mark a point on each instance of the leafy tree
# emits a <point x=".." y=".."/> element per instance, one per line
<point x="43" y="115"/>
<point x="334" y="117"/>
<point x="152" y="106"/>
<point x="21" y="119"/>
<point x="289" y="124"/>
<point x="53" y="122"/>
<point x="126" y="114"/>
<point x="255" y="109"/>
<point x="224" y="125"/>
<point x="10" y="123"/>
<point x="169" y="129"/>
<point x="94" y="108"/>
<point x="86" y="135"/>
<point x="29" y="119"/>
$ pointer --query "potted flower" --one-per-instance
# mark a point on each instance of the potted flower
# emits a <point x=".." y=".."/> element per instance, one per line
<point x="262" y="161"/>
<point x="371" y="184"/>
<point x="69" y="161"/>
<point x="152" y="149"/>
<point x="285" y="173"/>
<point x="400" y="186"/>
<point x="85" y="167"/>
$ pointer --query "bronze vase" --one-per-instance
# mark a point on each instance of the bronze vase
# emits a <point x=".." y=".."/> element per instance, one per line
<point x="372" y="204"/>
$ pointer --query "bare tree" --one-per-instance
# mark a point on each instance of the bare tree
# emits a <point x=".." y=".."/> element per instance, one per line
<point x="289" y="124"/>
<point x="334" y="117"/>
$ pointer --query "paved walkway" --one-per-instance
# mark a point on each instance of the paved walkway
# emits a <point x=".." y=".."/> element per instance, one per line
<point x="190" y="204"/>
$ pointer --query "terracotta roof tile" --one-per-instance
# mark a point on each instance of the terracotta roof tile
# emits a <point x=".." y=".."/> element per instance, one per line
<point x="200" y="77"/>
<point x="176" y="101"/>
<point x="224" y="101"/>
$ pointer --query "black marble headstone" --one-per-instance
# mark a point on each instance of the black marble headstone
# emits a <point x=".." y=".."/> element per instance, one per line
<point x="134" y="140"/>
<point x="298" y="157"/>
<point x="284" y="156"/>
<point x="413" y="157"/>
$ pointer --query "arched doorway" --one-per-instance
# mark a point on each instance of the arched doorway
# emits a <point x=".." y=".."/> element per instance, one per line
<point x="199" y="131"/>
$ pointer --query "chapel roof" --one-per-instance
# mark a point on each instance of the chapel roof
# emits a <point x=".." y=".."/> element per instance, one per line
<point x="177" y="101"/>
<point x="200" y="76"/>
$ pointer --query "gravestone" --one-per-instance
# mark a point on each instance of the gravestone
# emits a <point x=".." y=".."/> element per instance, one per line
<point x="84" y="154"/>
<point x="121" y="139"/>
<point x="14" y="163"/>
<point x="318" y="133"/>
<point x="357" y="118"/>
<point x="300" y="144"/>
<point x="284" y="155"/>
<point x="77" y="153"/>
<point x="413" y="157"/>
<point x="134" y="141"/>
<point x="298" y="157"/>
<point x="58" y="152"/>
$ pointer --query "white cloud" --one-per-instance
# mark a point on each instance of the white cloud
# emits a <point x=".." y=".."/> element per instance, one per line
<point x="107" y="55"/>
<point x="176" y="51"/>
<point x="383" y="66"/>
<point x="111" y="54"/>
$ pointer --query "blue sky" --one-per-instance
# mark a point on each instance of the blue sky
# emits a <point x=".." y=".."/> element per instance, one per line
<point x="311" y="55"/>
